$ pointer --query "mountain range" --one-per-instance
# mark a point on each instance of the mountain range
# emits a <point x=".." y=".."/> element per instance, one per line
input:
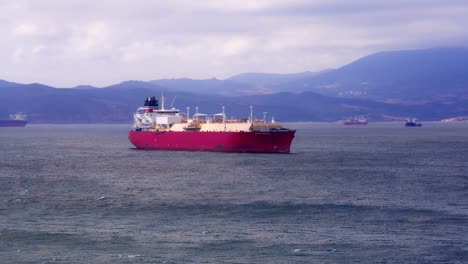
<point x="430" y="84"/>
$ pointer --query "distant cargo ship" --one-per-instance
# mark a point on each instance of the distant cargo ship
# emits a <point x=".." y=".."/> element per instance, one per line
<point x="412" y="122"/>
<point x="16" y="120"/>
<point x="356" y="121"/>
<point x="456" y="119"/>
<point x="168" y="129"/>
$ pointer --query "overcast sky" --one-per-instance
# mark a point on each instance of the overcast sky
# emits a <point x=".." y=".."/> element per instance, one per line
<point x="102" y="42"/>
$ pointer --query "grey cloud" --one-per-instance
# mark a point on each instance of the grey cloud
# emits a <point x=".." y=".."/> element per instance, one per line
<point x="358" y="7"/>
<point x="73" y="42"/>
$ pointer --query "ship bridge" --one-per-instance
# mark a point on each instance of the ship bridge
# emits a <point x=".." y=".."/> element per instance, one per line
<point x="150" y="116"/>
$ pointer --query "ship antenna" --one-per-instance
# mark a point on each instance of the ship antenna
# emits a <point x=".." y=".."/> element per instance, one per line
<point x="188" y="113"/>
<point x="264" y="117"/>
<point x="251" y="114"/>
<point x="173" y="100"/>
<point x="162" y="102"/>
<point x="196" y="112"/>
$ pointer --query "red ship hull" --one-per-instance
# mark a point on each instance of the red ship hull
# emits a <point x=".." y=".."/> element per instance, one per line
<point x="13" y="123"/>
<point x="252" y="142"/>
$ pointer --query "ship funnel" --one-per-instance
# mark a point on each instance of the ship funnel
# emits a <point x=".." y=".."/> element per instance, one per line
<point x="151" y="102"/>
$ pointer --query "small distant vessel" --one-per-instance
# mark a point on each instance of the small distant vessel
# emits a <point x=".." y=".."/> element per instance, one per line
<point x="16" y="120"/>
<point x="412" y="122"/>
<point x="158" y="128"/>
<point x="456" y="119"/>
<point x="356" y="121"/>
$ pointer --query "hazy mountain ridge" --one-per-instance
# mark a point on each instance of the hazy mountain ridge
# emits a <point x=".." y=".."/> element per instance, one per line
<point x="411" y="74"/>
<point x="270" y="79"/>
<point x="4" y="84"/>
<point x="117" y="106"/>
<point x="207" y="86"/>
<point x="85" y="87"/>
<point x="428" y="84"/>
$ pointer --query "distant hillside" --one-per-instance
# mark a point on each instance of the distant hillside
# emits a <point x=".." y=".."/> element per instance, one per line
<point x="134" y="85"/>
<point x="4" y="84"/>
<point x="270" y="80"/>
<point x="411" y="74"/>
<point x="428" y="84"/>
<point x="50" y="105"/>
<point x="85" y="87"/>
<point x="208" y="86"/>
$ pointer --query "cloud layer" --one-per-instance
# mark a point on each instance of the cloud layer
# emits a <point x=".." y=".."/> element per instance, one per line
<point x="66" y="43"/>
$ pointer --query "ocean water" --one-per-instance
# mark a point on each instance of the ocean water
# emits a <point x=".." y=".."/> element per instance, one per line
<point x="376" y="194"/>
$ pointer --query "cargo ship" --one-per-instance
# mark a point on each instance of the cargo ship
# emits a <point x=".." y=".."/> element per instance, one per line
<point x="16" y="120"/>
<point x="157" y="128"/>
<point x="412" y="122"/>
<point x="356" y="121"/>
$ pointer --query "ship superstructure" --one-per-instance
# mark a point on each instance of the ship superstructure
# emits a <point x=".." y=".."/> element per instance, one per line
<point x="160" y="128"/>
<point x="412" y="122"/>
<point x="16" y="120"/>
<point x="356" y="121"/>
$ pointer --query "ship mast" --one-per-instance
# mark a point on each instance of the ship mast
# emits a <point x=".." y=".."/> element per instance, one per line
<point x="264" y="120"/>
<point x="162" y="102"/>
<point x="224" y="119"/>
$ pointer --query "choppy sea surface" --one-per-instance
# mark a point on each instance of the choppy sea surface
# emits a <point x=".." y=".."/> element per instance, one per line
<point x="381" y="193"/>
